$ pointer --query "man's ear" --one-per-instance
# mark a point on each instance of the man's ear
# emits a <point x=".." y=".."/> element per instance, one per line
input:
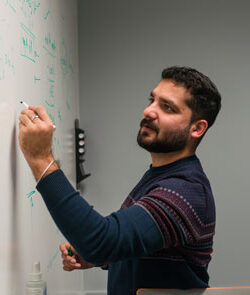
<point x="198" y="128"/>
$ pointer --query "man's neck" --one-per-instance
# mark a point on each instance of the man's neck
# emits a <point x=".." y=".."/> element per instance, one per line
<point x="167" y="158"/>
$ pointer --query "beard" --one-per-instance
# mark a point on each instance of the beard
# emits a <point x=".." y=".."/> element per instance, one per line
<point x="170" y="141"/>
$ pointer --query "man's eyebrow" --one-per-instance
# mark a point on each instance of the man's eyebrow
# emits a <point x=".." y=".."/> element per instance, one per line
<point x="168" y="101"/>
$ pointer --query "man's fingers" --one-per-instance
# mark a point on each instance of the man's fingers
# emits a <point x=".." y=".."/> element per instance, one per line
<point x="71" y="264"/>
<point x="41" y="112"/>
<point x="70" y="260"/>
<point x="21" y="125"/>
<point x="65" y="262"/>
<point x="25" y="120"/>
<point x="78" y="265"/>
<point x="29" y="113"/>
<point x="64" y="249"/>
<point x="67" y="268"/>
<point x="70" y="268"/>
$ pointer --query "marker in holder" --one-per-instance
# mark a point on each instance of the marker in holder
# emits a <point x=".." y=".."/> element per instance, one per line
<point x="80" y="151"/>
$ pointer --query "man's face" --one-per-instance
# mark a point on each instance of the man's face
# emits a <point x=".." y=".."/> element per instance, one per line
<point x="165" y="126"/>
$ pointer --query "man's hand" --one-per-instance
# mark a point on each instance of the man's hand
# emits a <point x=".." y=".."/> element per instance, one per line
<point x="73" y="262"/>
<point x="35" y="138"/>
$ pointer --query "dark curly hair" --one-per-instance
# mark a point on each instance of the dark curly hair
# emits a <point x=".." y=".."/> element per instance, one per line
<point x="205" y="101"/>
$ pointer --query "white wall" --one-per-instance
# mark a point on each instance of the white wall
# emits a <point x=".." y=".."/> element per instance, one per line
<point x="124" y="45"/>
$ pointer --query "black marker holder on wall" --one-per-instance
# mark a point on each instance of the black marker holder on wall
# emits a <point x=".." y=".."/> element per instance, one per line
<point x="80" y="151"/>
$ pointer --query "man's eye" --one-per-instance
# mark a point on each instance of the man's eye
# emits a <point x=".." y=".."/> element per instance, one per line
<point x="150" y="100"/>
<point x="167" y="107"/>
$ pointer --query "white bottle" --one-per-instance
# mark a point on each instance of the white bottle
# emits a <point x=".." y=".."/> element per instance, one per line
<point x="35" y="285"/>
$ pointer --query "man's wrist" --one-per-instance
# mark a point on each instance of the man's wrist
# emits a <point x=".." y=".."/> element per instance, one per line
<point x="38" y="166"/>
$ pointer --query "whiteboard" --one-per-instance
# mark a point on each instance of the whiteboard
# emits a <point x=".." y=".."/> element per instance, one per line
<point x="38" y="64"/>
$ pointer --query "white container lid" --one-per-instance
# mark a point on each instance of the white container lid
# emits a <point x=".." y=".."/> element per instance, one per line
<point x="36" y="274"/>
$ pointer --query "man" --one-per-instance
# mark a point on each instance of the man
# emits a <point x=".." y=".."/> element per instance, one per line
<point x="162" y="236"/>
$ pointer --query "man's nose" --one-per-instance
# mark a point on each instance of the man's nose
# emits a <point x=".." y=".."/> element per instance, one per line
<point x="150" y="112"/>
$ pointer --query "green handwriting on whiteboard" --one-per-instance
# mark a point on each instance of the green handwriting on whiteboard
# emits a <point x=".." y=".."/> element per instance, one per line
<point x="50" y="104"/>
<point x="29" y="195"/>
<point x="27" y="44"/>
<point x="51" y="54"/>
<point x="68" y="105"/>
<point x="26" y="56"/>
<point x="29" y="7"/>
<point x="51" y="91"/>
<point x="59" y="115"/>
<point x="27" y="31"/>
<point x="36" y="79"/>
<point x="50" y="45"/>
<point x="50" y="74"/>
<point x="10" y="4"/>
<point x="46" y="15"/>
<point x="51" y="70"/>
<point x="65" y="60"/>
<point x="6" y="65"/>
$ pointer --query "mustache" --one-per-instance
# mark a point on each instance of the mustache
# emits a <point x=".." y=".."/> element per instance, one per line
<point x="148" y="123"/>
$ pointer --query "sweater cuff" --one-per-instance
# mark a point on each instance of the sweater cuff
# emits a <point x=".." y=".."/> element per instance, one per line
<point x="54" y="187"/>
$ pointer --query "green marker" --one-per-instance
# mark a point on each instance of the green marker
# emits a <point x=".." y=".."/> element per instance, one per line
<point x="70" y="252"/>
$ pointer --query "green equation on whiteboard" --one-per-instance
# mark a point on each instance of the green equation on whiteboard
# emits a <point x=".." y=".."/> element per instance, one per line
<point x="28" y="44"/>
<point x="52" y="105"/>
<point x="29" y="195"/>
<point x="29" y="7"/>
<point x="36" y="79"/>
<point x="49" y="45"/>
<point x="46" y="15"/>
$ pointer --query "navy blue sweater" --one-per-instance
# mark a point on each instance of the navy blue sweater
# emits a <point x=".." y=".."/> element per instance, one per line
<point x="160" y="238"/>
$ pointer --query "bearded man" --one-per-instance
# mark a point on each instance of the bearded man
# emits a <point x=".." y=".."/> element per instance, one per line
<point x="162" y="236"/>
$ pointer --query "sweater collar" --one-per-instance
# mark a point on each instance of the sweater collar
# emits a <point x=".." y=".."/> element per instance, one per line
<point x="175" y="164"/>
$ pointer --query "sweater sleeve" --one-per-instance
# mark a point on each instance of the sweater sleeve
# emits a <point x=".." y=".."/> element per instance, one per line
<point x="124" y="234"/>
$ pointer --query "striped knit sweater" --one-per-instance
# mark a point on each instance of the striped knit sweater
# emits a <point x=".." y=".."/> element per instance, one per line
<point x="160" y="238"/>
<point x="179" y="199"/>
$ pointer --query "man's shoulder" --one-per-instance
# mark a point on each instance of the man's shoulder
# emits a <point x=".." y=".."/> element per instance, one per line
<point x="181" y="188"/>
<point x="179" y="184"/>
<point x="177" y="190"/>
<point x="184" y="181"/>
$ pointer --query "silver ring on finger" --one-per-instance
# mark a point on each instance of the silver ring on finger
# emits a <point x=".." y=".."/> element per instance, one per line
<point x="34" y="117"/>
